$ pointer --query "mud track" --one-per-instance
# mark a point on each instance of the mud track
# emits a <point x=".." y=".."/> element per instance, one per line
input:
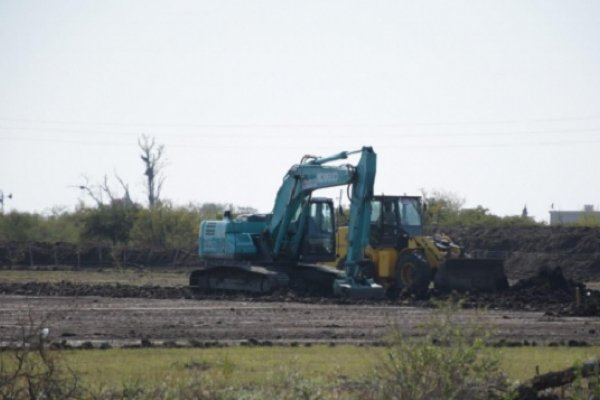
<point x="108" y="322"/>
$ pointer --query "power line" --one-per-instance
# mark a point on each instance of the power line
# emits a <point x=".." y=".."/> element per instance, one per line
<point x="305" y="125"/>
<point x="346" y="134"/>
<point x="244" y="146"/>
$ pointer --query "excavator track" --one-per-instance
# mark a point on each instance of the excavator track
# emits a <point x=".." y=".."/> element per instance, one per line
<point x="242" y="279"/>
<point x="306" y="279"/>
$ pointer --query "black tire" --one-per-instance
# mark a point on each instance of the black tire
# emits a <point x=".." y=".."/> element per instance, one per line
<point x="413" y="274"/>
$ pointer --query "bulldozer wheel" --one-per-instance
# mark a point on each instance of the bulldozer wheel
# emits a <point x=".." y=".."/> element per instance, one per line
<point x="413" y="273"/>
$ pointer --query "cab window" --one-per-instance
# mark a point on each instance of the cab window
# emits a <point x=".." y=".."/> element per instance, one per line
<point x="319" y="241"/>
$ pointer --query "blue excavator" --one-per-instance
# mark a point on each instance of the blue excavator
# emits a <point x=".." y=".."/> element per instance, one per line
<point x="261" y="253"/>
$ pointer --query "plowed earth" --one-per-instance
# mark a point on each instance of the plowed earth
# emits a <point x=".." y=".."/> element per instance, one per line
<point x="548" y="291"/>
<point x="108" y="322"/>
<point x="546" y="304"/>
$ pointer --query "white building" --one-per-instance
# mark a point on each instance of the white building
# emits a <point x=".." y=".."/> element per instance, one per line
<point x="572" y="217"/>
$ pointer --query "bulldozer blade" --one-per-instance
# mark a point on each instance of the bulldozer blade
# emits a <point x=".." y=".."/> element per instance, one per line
<point x="366" y="290"/>
<point x="471" y="274"/>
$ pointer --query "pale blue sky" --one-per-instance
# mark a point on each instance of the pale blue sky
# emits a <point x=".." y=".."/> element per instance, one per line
<point x="495" y="101"/>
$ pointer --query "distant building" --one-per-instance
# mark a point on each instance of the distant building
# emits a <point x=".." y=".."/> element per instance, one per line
<point x="573" y="217"/>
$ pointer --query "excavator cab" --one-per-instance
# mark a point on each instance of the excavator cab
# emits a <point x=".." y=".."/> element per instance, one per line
<point x="318" y="243"/>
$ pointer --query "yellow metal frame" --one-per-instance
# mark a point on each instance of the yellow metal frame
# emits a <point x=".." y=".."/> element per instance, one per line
<point x="385" y="258"/>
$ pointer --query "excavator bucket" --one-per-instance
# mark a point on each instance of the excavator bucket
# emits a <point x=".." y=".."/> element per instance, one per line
<point x="472" y="274"/>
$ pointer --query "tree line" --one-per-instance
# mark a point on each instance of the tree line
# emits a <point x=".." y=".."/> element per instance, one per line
<point x="445" y="209"/>
<point x="118" y="220"/>
<point x="164" y="226"/>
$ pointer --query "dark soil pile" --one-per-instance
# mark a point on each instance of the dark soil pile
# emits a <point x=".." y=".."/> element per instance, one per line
<point x="576" y="250"/>
<point x="545" y="239"/>
<point x="547" y="291"/>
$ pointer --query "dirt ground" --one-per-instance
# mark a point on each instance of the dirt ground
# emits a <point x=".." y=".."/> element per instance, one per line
<point x="110" y="322"/>
<point x="543" y="306"/>
<point x="548" y="291"/>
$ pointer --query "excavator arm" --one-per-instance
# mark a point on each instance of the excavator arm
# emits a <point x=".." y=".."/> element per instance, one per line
<point x="294" y="193"/>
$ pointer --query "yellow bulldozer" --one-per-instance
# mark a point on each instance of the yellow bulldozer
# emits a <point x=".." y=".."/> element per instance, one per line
<point x="401" y="258"/>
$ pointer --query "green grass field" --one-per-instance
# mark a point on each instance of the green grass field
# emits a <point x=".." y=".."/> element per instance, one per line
<point x="248" y="365"/>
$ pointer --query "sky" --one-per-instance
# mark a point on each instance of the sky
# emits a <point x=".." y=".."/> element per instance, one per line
<point x="494" y="102"/>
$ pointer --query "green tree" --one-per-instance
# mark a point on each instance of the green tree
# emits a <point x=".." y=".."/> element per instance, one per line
<point x="21" y="227"/>
<point x="589" y="219"/>
<point x="166" y="226"/>
<point x="112" y="221"/>
<point x="441" y="207"/>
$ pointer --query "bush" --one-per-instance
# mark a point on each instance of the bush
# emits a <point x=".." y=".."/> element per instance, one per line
<point x="21" y="227"/>
<point x="450" y="362"/>
<point x="166" y="227"/>
<point x="28" y="370"/>
<point x="112" y="222"/>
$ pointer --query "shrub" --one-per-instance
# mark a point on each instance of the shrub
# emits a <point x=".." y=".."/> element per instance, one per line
<point x="21" y="227"/>
<point x="28" y="370"/>
<point x="165" y="226"/>
<point x="450" y="362"/>
<point x="111" y="222"/>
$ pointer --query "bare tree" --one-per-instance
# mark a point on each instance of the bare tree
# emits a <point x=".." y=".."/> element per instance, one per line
<point x="152" y="157"/>
<point x="97" y="191"/>
<point x="91" y="190"/>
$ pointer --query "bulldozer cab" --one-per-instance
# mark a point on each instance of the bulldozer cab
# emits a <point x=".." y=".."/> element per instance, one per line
<point x="394" y="219"/>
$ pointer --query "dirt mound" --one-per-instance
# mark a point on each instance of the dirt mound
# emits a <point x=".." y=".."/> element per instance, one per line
<point x="525" y="249"/>
<point x="547" y="291"/>
<point x="546" y="239"/>
<point x="548" y="280"/>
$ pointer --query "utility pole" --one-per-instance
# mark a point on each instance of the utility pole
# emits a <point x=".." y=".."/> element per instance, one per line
<point x="9" y="196"/>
